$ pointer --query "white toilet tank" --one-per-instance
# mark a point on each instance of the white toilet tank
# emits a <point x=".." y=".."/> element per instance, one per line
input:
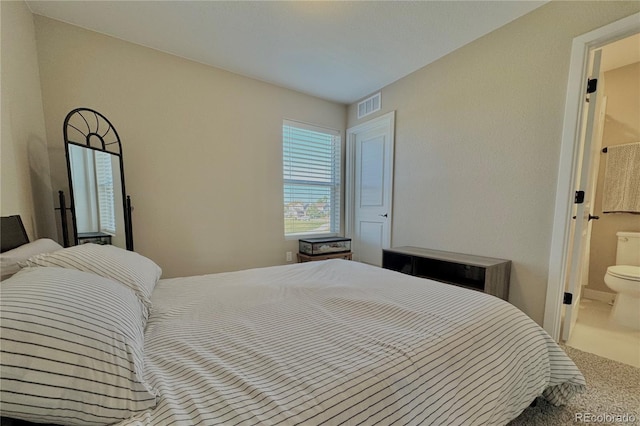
<point x="628" y="252"/>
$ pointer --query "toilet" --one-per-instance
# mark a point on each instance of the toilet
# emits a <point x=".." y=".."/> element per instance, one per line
<point x="624" y="279"/>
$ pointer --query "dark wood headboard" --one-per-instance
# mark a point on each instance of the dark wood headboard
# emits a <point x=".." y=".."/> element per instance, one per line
<point x="12" y="233"/>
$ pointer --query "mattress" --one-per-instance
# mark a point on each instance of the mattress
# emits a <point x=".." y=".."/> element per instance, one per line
<point x="341" y="342"/>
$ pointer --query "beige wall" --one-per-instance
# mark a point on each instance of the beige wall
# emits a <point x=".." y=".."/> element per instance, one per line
<point x="478" y="137"/>
<point x="202" y="146"/>
<point x="621" y="125"/>
<point x="25" y="185"/>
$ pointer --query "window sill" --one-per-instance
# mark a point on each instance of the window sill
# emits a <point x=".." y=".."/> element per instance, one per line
<point x="292" y="237"/>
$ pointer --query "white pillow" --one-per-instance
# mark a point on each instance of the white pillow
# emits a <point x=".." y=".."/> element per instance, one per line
<point x="72" y="349"/>
<point x="131" y="269"/>
<point x="10" y="260"/>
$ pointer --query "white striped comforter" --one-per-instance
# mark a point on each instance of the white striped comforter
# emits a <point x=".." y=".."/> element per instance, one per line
<point x="340" y="342"/>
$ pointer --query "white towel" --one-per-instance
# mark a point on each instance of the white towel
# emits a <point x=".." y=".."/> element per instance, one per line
<point x="621" y="192"/>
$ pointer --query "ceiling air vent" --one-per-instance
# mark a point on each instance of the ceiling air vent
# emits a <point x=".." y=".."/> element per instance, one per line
<point x="369" y="105"/>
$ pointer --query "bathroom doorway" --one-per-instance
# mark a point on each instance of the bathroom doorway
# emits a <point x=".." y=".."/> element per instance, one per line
<point x="564" y="268"/>
<point x="616" y="123"/>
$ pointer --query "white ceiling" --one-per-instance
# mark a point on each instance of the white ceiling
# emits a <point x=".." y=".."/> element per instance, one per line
<point x="341" y="51"/>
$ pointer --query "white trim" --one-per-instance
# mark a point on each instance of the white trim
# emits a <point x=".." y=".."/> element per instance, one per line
<point x="387" y="119"/>
<point x="567" y="170"/>
<point x="291" y="237"/>
<point x="311" y="127"/>
<point x="349" y="182"/>
<point x="601" y="296"/>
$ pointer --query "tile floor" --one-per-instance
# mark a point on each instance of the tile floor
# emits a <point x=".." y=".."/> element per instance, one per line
<point x="595" y="334"/>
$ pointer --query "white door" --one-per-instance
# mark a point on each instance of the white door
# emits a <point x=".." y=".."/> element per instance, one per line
<point x="369" y="188"/>
<point x="583" y="209"/>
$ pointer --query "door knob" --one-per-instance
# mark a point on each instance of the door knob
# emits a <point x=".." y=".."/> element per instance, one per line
<point x="383" y="215"/>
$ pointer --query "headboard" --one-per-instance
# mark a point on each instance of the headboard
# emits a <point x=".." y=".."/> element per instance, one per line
<point x="12" y="233"/>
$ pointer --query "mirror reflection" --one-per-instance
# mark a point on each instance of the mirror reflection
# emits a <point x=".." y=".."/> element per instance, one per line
<point x="97" y="196"/>
<point x="101" y="211"/>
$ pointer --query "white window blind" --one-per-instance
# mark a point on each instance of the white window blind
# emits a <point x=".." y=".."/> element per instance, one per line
<point x="106" y="201"/>
<point x="311" y="166"/>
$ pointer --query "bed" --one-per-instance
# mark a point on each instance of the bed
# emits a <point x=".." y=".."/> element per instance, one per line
<point x="331" y="342"/>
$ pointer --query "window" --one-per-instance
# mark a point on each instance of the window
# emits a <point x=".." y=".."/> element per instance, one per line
<point x="311" y="166"/>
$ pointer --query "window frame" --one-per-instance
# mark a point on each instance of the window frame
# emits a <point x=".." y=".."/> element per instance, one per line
<point x="335" y="187"/>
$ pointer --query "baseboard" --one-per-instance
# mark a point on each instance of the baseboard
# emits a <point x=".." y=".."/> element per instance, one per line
<point x="601" y="296"/>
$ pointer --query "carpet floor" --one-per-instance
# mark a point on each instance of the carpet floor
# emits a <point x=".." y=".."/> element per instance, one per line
<point x="612" y="396"/>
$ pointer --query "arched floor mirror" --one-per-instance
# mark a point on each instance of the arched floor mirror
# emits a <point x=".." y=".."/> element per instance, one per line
<point x="100" y="208"/>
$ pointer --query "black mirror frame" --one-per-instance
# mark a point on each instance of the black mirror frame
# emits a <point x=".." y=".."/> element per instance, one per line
<point x="93" y="121"/>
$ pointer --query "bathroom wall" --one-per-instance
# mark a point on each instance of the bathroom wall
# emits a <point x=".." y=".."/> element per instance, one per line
<point x="621" y="126"/>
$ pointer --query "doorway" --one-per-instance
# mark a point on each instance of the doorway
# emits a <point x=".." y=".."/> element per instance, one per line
<point x="619" y="109"/>
<point x="571" y="173"/>
<point x="369" y="188"/>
